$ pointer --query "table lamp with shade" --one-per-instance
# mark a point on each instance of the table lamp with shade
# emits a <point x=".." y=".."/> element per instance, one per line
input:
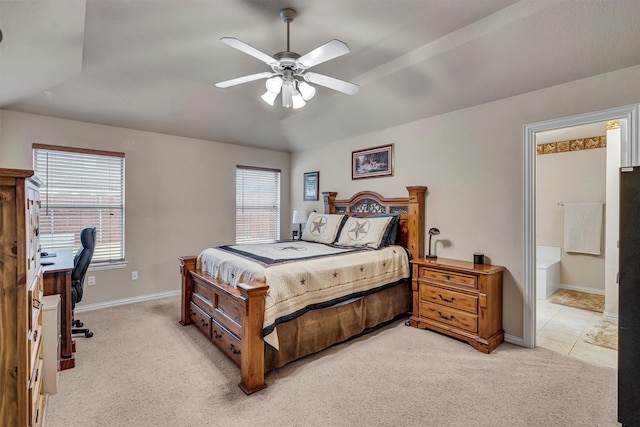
<point x="299" y="217"/>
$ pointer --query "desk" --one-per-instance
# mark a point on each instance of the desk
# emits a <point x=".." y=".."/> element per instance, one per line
<point x="57" y="280"/>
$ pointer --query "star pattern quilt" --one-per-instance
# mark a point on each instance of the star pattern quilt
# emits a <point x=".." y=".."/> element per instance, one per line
<point x="304" y="276"/>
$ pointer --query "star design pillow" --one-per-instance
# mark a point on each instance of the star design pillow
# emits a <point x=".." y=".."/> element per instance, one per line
<point x="322" y="228"/>
<point x="369" y="232"/>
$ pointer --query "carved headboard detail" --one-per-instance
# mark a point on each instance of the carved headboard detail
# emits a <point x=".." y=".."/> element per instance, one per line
<point x="410" y="209"/>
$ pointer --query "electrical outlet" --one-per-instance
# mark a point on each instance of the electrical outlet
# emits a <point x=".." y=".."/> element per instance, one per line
<point x="134" y="275"/>
<point x="91" y="280"/>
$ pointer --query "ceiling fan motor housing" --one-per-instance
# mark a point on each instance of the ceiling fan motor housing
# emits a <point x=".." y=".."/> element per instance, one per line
<point x="286" y="60"/>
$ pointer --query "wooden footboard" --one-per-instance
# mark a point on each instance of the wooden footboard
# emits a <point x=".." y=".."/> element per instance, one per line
<point x="230" y="317"/>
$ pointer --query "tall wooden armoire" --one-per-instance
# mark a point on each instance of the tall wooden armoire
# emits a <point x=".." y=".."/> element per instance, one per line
<point x="22" y="401"/>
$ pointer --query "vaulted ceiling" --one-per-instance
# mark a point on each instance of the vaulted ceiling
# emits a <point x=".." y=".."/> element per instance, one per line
<point x="152" y="65"/>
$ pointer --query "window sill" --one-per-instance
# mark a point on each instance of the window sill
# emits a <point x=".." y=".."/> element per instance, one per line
<point x="109" y="266"/>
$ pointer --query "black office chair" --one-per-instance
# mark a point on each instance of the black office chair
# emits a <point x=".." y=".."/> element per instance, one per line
<point x="80" y="264"/>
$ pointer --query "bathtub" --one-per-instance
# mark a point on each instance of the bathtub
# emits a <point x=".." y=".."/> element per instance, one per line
<point x="547" y="271"/>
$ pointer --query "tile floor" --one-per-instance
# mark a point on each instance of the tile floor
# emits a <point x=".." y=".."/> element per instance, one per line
<point x="561" y="329"/>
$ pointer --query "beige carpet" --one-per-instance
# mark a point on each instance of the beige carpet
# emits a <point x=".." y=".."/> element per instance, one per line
<point x="142" y="368"/>
<point x="578" y="299"/>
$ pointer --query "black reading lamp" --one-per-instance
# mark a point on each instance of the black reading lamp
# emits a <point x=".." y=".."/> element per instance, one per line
<point x="432" y="232"/>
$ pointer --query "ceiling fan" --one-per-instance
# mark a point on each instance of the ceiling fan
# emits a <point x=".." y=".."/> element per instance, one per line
<point x="289" y="73"/>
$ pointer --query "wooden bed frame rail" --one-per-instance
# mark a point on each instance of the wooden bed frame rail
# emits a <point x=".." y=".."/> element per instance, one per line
<point x="232" y="318"/>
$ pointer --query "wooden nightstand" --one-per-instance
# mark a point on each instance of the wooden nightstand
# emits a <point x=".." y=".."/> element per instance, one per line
<point x="459" y="299"/>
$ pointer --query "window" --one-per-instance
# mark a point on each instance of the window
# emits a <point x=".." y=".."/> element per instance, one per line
<point x="257" y="205"/>
<point x="81" y="188"/>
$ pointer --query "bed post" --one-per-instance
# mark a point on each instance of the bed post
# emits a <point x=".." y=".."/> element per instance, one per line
<point x="329" y="201"/>
<point x="416" y="220"/>
<point x="252" y="343"/>
<point x="187" y="263"/>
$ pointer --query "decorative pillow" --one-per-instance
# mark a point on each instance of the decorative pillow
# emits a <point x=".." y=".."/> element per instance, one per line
<point x="392" y="229"/>
<point x="369" y="231"/>
<point x="322" y="228"/>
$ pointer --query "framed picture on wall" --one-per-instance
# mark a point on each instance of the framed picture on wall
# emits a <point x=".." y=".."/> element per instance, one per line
<point x="311" y="185"/>
<point x="372" y="162"/>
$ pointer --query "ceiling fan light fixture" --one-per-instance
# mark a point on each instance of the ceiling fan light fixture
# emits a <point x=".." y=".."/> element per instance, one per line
<point x="287" y="94"/>
<point x="298" y="101"/>
<point x="274" y="84"/>
<point x="306" y="90"/>
<point x="269" y="97"/>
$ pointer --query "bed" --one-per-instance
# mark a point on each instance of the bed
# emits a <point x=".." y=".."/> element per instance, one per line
<point x="234" y="306"/>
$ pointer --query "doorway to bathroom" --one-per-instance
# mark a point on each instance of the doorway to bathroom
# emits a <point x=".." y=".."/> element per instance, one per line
<point x="535" y="134"/>
<point x="572" y="184"/>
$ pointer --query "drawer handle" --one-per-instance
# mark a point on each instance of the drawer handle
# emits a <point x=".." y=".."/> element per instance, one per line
<point x="35" y="336"/>
<point x="36" y="303"/>
<point x="36" y="377"/>
<point x="203" y="323"/>
<point x="192" y="313"/>
<point x="452" y="299"/>
<point x="234" y="350"/>
<point x="447" y="276"/>
<point x="452" y="317"/>
<point x="216" y="335"/>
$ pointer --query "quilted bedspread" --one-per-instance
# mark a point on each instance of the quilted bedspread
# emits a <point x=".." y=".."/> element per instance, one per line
<point x="304" y="276"/>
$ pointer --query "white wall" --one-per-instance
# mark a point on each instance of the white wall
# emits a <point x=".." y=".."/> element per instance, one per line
<point x="179" y="194"/>
<point x="472" y="162"/>
<point x="573" y="176"/>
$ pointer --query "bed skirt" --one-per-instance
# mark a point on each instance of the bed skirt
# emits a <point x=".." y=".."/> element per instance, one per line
<point x="319" y="329"/>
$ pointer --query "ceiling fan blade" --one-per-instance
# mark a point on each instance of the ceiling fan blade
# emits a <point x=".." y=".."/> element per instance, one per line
<point x="244" y="79"/>
<point x="243" y="47"/>
<point x="331" y="83"/>
<point x="326" y="52"/>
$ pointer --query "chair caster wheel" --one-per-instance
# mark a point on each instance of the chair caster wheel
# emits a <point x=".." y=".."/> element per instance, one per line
<point x="88" y="334"/>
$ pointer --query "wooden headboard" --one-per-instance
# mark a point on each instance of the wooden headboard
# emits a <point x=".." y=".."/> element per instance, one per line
<point x="411" y="210"/>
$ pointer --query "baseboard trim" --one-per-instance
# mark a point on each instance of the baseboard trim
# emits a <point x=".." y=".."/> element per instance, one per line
<point x="610" y="316"/>
<point x="114" y="303"/>
<point x="582" y="289"/>
<point x="511" y="339"/>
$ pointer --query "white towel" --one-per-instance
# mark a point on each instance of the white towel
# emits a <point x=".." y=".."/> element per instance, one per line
<point x="583" y="227"/>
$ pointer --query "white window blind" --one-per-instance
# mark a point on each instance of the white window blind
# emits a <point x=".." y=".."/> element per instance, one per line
<point x="81" y="188"/>
<point x="257" y="205"/>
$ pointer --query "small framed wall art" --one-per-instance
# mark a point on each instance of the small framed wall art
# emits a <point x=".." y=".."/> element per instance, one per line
<point x="311" y="185"/>
<point x="372" y="162"/>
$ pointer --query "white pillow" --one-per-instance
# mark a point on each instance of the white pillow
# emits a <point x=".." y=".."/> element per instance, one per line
<point x="322" y="228"/>
<point x="360" y="232"/>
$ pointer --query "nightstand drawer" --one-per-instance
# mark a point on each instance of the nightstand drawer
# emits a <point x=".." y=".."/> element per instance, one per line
<point x="449" y="298"/>
<point x="449" y="316"/>
<point x="448" y="277"/>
